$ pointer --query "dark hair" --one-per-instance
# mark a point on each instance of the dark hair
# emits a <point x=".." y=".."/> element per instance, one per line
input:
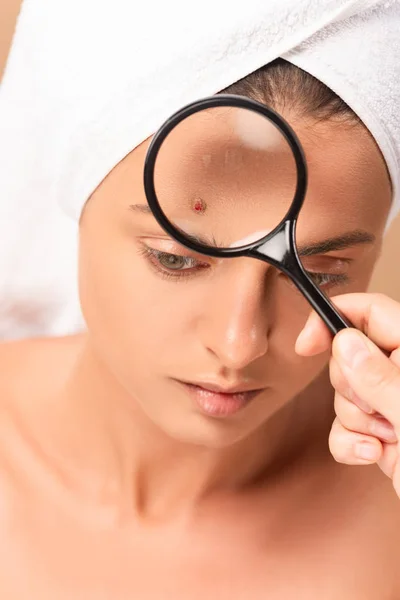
<point x="287" y="88"/>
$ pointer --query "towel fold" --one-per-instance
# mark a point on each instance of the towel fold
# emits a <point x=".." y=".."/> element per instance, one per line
<point x="89" y="80"/>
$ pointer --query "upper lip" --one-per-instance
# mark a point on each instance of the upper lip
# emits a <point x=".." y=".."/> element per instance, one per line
<point x="223" y="389"/>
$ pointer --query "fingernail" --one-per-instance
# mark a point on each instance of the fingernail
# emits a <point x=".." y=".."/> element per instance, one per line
<point x="367" y="451"/>
<point x="352" y="348"/>
<point x="383" y="430"/>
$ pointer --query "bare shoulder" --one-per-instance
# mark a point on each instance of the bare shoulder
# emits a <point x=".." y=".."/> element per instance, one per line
<point x="366" y="520"/>
<point x="33" y="364"/>
<point x="30" y="370"/>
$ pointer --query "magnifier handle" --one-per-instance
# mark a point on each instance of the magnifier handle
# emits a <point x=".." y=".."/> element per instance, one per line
<point x="333" y="319"/>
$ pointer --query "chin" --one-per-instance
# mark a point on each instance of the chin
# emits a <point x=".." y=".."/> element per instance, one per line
<point x="214" y="422"/>
<point x="198" y="430"/>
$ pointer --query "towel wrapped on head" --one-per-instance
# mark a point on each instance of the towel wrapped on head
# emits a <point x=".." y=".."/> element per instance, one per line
<point x="88" y="81"/>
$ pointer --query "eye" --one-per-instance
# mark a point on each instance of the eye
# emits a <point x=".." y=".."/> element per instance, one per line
<point x="324" y="281"/>
<point x="174" y="262"/>
<point x="168" y="264"/>
<point x="328" y="279"/>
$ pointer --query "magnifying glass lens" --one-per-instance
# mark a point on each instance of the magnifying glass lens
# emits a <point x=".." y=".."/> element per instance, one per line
<point x="225" y="176"/>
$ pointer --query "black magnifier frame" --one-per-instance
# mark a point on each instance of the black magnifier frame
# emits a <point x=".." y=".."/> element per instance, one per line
<point x="278" y="247"/>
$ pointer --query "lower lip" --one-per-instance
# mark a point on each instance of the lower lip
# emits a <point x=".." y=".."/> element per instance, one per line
<point x="217" y="404"/>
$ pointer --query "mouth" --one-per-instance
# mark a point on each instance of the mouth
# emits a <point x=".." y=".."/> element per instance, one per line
<point x="218" y="400"/>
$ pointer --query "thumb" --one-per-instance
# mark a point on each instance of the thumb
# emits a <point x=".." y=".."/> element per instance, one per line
<point x="371" y="374"/>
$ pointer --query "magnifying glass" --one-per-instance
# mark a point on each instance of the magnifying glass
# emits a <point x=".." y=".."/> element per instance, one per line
<point x="226" y="176"/>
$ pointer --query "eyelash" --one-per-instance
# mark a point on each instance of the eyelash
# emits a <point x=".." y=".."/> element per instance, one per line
<point x="154" y="256"/>
<point x="328" y="279"/>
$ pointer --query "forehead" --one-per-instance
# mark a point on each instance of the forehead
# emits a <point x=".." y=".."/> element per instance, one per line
<point x="348" y="182"/>
<point x="348" y="179"/>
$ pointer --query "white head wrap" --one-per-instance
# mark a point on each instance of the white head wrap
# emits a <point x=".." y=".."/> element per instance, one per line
<point x="88" y="80"/>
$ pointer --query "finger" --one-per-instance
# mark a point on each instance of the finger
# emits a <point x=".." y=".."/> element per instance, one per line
<point x="352" y="448"/>
<point x="356" y="420"/>
<point x="371" y="374"/>
<point x="396" y="474"/>
<point x="374" y="314"/>
<point x="314" y="338"/>
<point x="395" y="357"/>
<point x="389" y="460"/>
<point x="342" y="387"/>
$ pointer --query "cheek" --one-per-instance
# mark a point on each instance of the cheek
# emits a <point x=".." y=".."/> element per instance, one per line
<point x="290" y="310"/>
<point x="294" y="372"/>
<point x="129" y="311"/>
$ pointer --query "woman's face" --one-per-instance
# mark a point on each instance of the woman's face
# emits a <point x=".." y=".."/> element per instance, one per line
<point x="168" y="323"/>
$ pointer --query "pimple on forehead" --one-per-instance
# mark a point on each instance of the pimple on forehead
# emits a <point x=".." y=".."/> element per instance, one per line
<point x="199" y="206"/>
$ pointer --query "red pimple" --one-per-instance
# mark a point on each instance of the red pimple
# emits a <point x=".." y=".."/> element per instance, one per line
<point x="199" y="206"/>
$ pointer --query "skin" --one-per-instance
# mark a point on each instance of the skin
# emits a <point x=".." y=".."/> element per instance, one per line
<point x="116" y="484"/>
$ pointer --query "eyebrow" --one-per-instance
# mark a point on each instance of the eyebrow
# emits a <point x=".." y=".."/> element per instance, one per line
<point x="340" y="242"/>
<point x="141" y="208"/>
<point x="197" y="239"/>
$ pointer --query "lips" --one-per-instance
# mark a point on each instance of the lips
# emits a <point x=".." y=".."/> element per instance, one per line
<point x="219" y="401"/>
<point x="220" y="389"/>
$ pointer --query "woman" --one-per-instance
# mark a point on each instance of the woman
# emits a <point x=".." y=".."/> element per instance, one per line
<point x="177" y="448"/>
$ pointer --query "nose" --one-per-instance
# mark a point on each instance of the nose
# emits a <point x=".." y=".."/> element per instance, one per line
<point x="235" y="321"/>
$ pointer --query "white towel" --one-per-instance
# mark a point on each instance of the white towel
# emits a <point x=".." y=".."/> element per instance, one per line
<point x="89" y="80"/>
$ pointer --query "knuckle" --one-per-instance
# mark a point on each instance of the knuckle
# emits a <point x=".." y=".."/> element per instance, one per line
<point x="350" y="415"/>
<point x="374" y="304"/>
<point x="343" y="408"/>
<point x="378" y="297"/>
<point x="383" y="379"/>
<point x="337" y="378"/>
<point x="395" y="357"/>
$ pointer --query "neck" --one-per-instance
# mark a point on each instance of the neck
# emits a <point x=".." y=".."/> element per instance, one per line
<point x="114" y="454"/>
